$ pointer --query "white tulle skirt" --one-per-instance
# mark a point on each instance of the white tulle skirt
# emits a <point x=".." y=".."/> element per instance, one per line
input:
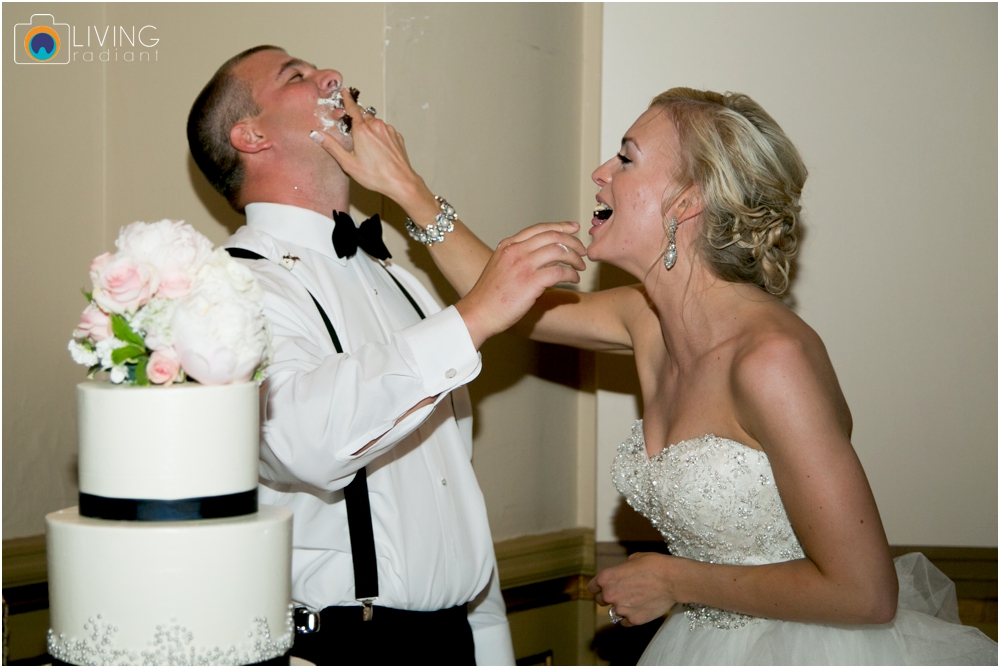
<point x="926" y="631"/>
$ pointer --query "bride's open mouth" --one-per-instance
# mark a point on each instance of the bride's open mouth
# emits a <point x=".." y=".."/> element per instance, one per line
<point x="601" y="213"/>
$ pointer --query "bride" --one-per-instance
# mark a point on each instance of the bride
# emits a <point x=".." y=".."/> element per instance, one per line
<point x="740" y="400"/>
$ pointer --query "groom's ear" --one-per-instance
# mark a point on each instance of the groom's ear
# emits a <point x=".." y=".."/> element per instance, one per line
<point x="246" y="137"/>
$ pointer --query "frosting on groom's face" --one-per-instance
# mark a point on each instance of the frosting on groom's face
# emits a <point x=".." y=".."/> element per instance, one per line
<point x="330" y="111"/>
<point x="295" y="97"/>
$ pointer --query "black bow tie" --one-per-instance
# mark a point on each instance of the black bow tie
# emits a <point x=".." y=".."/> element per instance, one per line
<point x="347" y="237"/>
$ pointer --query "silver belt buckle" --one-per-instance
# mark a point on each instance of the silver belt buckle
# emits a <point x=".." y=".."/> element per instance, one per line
<point x="306" y="621"/>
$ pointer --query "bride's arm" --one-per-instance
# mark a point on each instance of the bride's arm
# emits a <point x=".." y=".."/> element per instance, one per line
<point x="597" y="321"/>
<point x="788" y="399"/>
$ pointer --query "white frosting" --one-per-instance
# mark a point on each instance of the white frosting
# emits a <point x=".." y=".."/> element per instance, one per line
<point x="203" y="592"/>
<point x="179" y="442"/>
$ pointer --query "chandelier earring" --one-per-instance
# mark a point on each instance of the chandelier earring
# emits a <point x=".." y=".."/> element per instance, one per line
<point x="670" y="256"/>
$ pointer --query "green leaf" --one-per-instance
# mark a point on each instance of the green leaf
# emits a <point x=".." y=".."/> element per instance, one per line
<point x="88" y="295"/>
<point x="127" y="353"/>
<point x="140" y="371"/>
<point x="92" y="371"/>
<point x="123" y="331"/>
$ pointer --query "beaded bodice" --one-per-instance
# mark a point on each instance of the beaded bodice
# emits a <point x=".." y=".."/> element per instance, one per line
<point x="714" y="500"/>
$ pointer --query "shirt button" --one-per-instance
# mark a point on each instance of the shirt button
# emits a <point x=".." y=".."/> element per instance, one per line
<point x="450" y="373"/>
<point x="444" y="481"/>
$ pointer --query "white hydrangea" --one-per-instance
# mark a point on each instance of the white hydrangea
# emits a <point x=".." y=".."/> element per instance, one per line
<point x="153" y="323"/>
<point x="82" y="354"/>
<point x="104" y="348"/>
<point x="118" y="374"/>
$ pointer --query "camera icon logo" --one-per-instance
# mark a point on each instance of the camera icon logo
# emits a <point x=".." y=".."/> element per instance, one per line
<point x="41" y="41"/>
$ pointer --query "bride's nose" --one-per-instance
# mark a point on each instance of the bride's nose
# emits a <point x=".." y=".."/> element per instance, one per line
<point x="602" y="175"/>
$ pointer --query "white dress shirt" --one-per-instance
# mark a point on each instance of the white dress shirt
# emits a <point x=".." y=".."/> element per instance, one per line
<point x="320" y="409"/>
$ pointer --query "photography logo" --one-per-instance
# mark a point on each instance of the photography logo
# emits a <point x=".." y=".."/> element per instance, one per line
<point x="41" y="41"/>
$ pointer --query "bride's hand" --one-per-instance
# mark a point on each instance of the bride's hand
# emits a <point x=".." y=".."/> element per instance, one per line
<point x="379" y="161"/>
<point x="640" y="589"/>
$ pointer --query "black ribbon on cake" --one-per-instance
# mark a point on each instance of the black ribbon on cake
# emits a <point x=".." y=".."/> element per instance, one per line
<point x="174" y="510"/>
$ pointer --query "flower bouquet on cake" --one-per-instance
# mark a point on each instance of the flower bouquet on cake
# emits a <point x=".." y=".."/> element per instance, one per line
<point x="166" y="308"/>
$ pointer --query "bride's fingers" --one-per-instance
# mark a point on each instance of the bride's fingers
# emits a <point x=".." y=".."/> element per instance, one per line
<point x="332" y="146"/>
<point x="361" y="113"/>
<point x="353" y="108"/>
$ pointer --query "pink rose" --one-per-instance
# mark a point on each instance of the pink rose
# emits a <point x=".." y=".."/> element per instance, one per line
<point x="123" y="285"/>
<point x="98" y="265"/>
<point x="94" y="323"/>
<point x="164" y="367"/>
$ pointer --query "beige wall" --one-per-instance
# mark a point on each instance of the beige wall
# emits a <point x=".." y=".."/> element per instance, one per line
<point x="489" y="98"/>
<point x="90" y="147"/>
<point x="53" y="224"/>
<point x="894" y="109"/>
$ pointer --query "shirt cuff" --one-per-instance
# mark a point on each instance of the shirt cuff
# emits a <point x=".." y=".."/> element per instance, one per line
<point x="440" y="348"/>
<point x="493" y="645"/>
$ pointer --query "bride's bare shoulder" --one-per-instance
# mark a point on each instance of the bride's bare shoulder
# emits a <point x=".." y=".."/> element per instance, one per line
<point x="781" y="355"/>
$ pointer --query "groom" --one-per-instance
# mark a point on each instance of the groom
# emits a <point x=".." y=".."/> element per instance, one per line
<point x="366" y="422"/>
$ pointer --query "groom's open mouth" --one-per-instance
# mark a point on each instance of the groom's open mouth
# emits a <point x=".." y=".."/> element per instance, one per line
<point x="327" y="108"/>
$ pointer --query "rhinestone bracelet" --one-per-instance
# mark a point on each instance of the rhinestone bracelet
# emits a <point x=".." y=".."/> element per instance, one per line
<point x="443" y="222"/>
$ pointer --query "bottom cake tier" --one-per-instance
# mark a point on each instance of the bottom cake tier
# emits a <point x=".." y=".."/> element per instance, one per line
<point x="201" y="592"/>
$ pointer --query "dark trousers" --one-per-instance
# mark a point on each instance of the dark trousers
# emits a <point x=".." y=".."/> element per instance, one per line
<point x="391" y="638"/>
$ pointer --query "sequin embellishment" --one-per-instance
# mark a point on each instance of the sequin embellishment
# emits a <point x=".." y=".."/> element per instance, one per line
<point x="172" y="645"/>
<point x="714" y="500"/>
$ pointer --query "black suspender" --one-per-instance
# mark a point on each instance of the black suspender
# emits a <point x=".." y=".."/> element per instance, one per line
<point x="359" y="514"/>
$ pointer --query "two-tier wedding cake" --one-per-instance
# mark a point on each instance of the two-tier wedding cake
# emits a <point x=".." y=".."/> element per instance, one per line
<point x="168" y="559"/>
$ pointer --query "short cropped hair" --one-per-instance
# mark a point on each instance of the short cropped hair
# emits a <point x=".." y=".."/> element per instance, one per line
<point x="223" y="102"/>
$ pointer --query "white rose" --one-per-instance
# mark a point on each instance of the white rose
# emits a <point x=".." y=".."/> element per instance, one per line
<point x="174" y="248"/>
<point x="81" y="354"/>
<point x="220" y="333"/>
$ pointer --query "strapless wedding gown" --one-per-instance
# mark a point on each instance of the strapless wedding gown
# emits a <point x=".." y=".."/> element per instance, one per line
<point x="715" y="500"/>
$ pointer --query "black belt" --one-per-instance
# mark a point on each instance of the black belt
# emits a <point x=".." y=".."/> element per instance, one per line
<point x="359" y="513"/>
<point x="392" y="638"/>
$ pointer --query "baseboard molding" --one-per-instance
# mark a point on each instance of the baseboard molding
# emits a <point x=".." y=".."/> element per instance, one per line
<point x="973" y="569"/>
<point x="522" y="561"/>
<point x="24" y="561"/>
<point x="532" y="559"/>
<point x="555" y="567"/>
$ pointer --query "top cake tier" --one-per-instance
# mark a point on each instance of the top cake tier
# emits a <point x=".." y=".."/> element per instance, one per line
<point x="186" y="441"/>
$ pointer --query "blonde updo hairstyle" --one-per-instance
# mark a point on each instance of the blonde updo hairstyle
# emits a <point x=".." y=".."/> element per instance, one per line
<point x="751" y="179"/>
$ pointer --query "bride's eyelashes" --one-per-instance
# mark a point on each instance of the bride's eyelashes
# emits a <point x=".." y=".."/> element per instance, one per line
<point x="623" y="159"/>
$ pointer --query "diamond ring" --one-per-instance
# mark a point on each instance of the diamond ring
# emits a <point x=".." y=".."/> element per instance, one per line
<point x="368" y="110"/>
<point x="615" y="618"/>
